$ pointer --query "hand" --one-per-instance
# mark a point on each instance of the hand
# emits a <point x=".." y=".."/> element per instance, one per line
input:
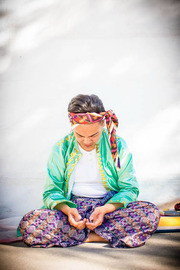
<point x="96" y="217"/>
<point x="74" y="219"/>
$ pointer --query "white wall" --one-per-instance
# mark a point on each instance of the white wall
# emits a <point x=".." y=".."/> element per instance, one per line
<point x="126" y="52"/>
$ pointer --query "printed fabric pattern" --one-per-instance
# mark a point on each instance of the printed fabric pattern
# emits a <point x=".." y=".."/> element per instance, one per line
<point x="123" y="228"/>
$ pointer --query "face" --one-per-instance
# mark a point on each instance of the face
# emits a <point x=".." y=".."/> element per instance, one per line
<point x="88" y="135"/>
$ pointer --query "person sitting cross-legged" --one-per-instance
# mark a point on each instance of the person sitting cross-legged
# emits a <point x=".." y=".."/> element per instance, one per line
<point x="91" y="189"/>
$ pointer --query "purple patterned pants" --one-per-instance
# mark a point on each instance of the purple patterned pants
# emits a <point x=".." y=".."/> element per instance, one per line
<point x="123" y="228"/>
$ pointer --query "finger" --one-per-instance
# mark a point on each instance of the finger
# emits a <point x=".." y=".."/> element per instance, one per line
<point x="89" y="228"/>
<point x="81" y="222"/>
<point x="91" y="220"/>
<point x="72" y="221"/>
<point x="93" y="225"/>
<point x="92" y="217"/>
<point x="77" y="217"/>
<point x="98" y="222"/>
<point x="98" y="218"/>
<point x="90" y="225"/>
<point x="95" y="216"/>
<point x="81" y="225"/>
<point x="84" y="221"/>
<point x="75" y="214"/>
<point x="88" y="221"/>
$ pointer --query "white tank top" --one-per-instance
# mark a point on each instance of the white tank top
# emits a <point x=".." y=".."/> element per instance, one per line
<point x="87" y="177"/>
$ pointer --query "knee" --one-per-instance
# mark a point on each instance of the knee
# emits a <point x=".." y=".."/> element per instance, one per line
<point x="148" y="208"/>
<point x="142" y="205"/>
<point x="33" y="224"/>
<point x="29" y="219"/>
<point x="152" y="213"/>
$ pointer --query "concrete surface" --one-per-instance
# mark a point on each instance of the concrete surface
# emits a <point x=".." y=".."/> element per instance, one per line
<point x="161" y="251"/>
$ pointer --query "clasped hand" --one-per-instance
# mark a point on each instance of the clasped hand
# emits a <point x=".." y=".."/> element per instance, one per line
<point x="95" y="219"/>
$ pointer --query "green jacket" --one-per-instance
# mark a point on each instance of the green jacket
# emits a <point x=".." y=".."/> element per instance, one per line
<point x="64" y="157"/>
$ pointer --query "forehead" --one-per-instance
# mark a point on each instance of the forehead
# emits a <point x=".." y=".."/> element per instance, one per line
<point x="88" y="129"/>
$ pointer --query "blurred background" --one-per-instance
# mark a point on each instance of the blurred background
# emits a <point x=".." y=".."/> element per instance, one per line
<point x="126" y="52"/>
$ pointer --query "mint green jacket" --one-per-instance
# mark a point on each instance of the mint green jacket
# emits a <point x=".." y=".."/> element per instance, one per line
<point x="66" y="154"/>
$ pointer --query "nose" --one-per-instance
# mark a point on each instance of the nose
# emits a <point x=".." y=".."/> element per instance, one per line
<point x="87" y="141"/>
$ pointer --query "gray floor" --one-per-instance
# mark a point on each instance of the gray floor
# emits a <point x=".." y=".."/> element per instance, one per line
<point x="161" y="251"/>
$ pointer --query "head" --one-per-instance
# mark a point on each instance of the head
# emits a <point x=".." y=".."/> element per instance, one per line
<point x="87" y="135"/>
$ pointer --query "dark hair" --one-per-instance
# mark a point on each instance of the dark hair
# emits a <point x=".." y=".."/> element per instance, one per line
<point x="86" y="103"/>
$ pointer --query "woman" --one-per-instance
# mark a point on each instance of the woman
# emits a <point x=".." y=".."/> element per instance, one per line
<point x="91" y="189"/>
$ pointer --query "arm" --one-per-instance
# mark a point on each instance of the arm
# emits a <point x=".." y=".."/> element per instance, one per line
<point x="127" y="181"/>
<point x="53" y="188"/>
<point x="128" y="189"/>
<point x="53" y="196"/>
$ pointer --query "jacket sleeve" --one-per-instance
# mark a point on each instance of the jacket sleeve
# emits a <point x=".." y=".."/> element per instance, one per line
<point x="53" y="189"/>
<point x="127" y="181"/>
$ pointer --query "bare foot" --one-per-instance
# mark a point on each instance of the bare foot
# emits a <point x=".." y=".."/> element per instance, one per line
<point x="93" y="237"/>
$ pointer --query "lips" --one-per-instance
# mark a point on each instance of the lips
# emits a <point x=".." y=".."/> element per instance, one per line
<point x="88" y="145"/>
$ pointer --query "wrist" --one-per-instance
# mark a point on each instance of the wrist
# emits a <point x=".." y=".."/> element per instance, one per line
<point x="110" y="207"/>
<point x="105" y="208"/>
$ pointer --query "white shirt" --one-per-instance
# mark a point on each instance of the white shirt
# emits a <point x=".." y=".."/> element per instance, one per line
<point x="86" y="176"/>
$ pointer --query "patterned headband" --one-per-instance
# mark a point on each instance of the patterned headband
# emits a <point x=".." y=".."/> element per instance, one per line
<point x="111" y="123"/>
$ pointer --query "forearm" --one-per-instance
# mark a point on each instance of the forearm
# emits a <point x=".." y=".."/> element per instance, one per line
<point x="110" y="207"/>
<point x="62" y="207"/>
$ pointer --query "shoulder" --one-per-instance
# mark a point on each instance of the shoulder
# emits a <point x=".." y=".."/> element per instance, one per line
<point x="123" y="149"/>
<point x="121" y="143"/>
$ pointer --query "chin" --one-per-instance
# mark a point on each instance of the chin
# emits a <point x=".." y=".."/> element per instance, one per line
<point x="89" y="148"/>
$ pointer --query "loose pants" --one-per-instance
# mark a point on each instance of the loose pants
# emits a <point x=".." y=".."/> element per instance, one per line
<point x="123" y="228"/>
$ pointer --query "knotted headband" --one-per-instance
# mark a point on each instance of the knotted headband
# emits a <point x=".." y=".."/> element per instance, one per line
<point x="111" y="123"/>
